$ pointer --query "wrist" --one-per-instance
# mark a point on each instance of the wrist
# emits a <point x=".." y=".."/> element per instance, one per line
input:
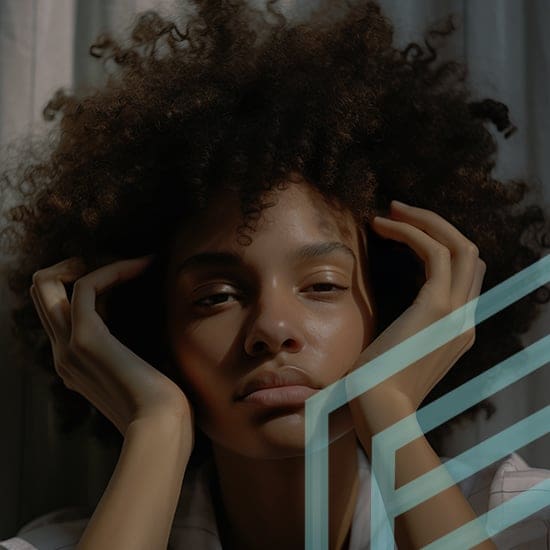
<point x="163" y="426"/>
<point x="379" y="410"/>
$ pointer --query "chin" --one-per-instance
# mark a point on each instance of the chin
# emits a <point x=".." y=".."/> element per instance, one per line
<point x="276" y="435"/>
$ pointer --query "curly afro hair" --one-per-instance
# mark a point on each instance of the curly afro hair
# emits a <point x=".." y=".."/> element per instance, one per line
<point x="242" y="99"/>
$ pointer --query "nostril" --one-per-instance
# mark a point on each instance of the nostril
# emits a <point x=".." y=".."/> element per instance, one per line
<point x="291" y="344"/>
<point x="259" y="347"/>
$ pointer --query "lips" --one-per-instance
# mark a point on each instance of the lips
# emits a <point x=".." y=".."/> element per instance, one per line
<point x="275" y="378"/>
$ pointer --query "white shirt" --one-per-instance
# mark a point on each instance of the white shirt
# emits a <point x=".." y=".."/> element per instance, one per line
<point x="195" y="528"/>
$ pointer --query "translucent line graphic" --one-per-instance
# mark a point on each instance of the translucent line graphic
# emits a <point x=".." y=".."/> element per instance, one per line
<point x="499" y="518"/>
<point x="319" y="406"/>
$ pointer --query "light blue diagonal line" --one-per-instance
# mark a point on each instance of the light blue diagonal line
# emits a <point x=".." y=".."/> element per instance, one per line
<point x="381" y="523"/>
<point x="317" y="413"/>
<point x="403" y="432"/>
<point x="439" y="333"/>
<point x="316" y="473"/>
<point x="386" y="443"/>
<point x="322" y="403"/>
<point x="471" y="461"/>
<point x="505" y="373"/>
<point x="393" y="361"/>
<point x="496" y="520"/>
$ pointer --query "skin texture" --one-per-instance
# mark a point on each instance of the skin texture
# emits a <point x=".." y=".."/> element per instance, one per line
<point x="216" y="109"/>
<point x="277" y="309"/>
<point x="198" y="104"/>
<point x="313" y="313"/>
<point x="270" y="307"/>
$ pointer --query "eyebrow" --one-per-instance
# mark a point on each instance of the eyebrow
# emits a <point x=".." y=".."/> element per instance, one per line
<point x="230" y="259"/>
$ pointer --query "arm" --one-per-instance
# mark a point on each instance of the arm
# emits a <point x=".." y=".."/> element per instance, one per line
<point x="454" y="275"/>
<point x="137" y="509"/>
<point x="434" y="517"/>
<point x="150" y="410"/>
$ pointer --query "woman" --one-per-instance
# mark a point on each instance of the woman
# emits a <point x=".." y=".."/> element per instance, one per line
<point x="249" y="160"/>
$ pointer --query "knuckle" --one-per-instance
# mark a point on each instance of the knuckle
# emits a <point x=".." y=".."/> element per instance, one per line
<point x="79" y="284"/>
<point x="38" y="277"/>
<point x="79" y="342"/>
<point x="61" y="369"/>
<point x="443" y="308"/>
<point x="440" y="307"/>
<point x="469" y="337"/>
<point x="64" y="359"/>
<point x="469" y="334"/>
<point x="442" y="253"/>
<point x="470" y="248"/>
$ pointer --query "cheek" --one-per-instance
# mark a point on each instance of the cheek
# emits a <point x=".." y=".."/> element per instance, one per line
<point x="200" y="348"/>
<point x="338" y="340"/>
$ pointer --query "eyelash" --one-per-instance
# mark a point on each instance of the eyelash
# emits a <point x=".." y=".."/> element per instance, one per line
<point x="201" y="302"/>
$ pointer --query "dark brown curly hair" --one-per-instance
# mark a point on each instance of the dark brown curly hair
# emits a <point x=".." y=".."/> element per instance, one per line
<point x="242" y="99"/>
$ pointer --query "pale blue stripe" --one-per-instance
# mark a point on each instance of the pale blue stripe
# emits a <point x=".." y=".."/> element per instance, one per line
<point x="384" y="366"/>
<point x="496" y="520"/>
<point x="471" y="461"/>
<point x="316" y="464"/>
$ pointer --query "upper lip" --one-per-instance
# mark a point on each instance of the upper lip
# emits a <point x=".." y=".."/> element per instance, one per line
<point x="273" y="378"/>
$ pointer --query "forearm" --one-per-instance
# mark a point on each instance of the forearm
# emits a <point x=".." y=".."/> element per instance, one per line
<point x="137" y="509"/>
<point x="434" y="517"/>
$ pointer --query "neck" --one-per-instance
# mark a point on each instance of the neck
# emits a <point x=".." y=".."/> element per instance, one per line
<point x="261" y="502"/>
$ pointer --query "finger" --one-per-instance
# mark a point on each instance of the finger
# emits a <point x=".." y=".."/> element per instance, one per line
<point x="87" y="288"/>
<point x="435" y="256"/>
<point x="468" y="336"/>
<point x="42" y="317"/>
<point x="477" y="283"/>
<point x="464" y="253"/>
<point x="481" y="269"/>
<point x="50" y="293"/>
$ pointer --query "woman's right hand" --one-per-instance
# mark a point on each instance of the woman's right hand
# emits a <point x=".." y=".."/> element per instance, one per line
<point x="89" y="359"/>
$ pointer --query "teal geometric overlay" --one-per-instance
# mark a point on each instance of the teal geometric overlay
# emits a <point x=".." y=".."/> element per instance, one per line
<point x="386" y="502"/>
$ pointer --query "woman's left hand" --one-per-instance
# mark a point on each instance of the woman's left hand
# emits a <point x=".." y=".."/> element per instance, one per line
<point x="454" y="275"/>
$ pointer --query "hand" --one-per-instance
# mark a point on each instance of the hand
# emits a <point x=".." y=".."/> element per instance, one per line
<point x="454" y="275"/>
<point x="89" y="359"/>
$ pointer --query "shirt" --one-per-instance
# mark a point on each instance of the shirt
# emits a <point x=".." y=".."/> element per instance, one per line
<point x="195" y="528"/>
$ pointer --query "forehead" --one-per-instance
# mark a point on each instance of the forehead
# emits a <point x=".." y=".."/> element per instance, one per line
<point x="297" y="211"/>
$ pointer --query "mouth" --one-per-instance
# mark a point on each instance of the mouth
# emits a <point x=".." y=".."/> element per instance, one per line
<point x="280" y="386"/>
<point x="282" y="396"/>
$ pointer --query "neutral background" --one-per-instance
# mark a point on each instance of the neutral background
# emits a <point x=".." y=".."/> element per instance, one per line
<point x="44" y="45"/>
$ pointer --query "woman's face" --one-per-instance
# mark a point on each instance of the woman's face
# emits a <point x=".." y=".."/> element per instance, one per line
<point x="295" y="302"/>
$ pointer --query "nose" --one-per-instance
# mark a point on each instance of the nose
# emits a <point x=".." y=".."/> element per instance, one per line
<point x="274" y="327"/>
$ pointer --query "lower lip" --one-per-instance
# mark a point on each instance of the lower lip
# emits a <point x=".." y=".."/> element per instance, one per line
<point x="281" y="396"/>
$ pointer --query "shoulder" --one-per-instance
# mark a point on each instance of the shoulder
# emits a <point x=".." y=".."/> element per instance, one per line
<point x="498" y="484"/>
<point x="194" y="524"/>
<point x="57" y="530"/>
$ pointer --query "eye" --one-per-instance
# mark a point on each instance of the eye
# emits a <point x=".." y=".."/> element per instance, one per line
<point x="326" y="287"/>
<point x="216" y="299"/>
